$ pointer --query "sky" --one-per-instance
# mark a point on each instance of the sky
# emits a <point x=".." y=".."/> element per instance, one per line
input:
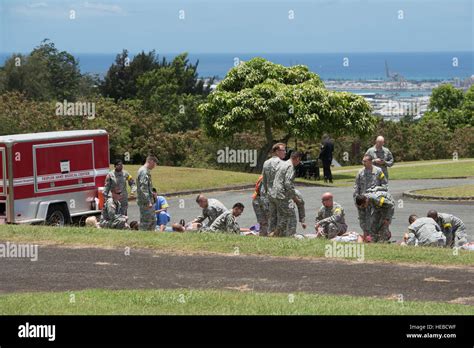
<point x="228" y="26"/>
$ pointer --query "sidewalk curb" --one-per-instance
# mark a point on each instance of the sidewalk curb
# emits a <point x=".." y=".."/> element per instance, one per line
<point x="436" y="198"/>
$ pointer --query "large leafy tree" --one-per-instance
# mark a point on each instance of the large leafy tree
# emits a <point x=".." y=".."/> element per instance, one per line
<point x="173" y="91"/>
<point x="283" y="102"/>
<point x="445" y="97"/>
<point x="120" y="82"/>
<point x="44" y="74"/>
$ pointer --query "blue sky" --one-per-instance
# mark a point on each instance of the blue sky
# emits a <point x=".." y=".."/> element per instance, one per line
<point x="229" y="26"/>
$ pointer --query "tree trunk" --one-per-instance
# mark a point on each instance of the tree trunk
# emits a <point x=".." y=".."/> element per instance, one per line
<point x="266" y="148"/>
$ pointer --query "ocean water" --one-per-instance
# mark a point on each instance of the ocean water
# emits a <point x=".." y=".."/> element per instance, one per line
<point x="350" y="66"/>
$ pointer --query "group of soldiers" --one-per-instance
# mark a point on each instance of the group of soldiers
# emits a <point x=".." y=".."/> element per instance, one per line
<point x="276" y="200"/>
<point x="114" y="213"/>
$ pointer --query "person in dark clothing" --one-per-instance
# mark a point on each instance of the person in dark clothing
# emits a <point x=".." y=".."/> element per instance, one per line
<point x="327" y="148"/>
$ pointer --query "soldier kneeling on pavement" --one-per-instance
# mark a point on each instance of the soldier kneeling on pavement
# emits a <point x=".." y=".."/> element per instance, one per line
<point x="330" y="219"/>
<point x="424" y="231"/>
<point x="111" y="217"/>
<point x="375" y="223"/>
<point x="227" y="221"/>
<point x="452" y="227"/>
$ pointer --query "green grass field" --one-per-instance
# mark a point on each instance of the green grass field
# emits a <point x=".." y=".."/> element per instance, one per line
<point x="225" y="243"/>
<point x="176" y="179"/>
<point x="455" y="191"/>
<point x="212" y="302"/>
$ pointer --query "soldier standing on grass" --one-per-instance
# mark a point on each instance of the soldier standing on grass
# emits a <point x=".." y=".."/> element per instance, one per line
<point x="368" y="179"/>
<point x="269" y="171"/>
<point x="283" y="192"/>
<point x="145" y="198"/>
<point x="382" y="157"/>
<point x="260" y="207"/>
<point x="119" y="178"/>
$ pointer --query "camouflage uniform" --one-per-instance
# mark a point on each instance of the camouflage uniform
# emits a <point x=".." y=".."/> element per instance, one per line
<point x="368" y="181"/>
<point x="331" y="219"/>
<point x="381" y="207"/>
<point x="299" y="202"/>
<point x="425" y="231"/>
<point x="383" y="154"/>
<point x="214" y="209"/>
<point x="269" y="172"/>
<point x="120" y="179"/>
<point x="145" y="199"/>
<point x="111" y="216"/>
<point x="225" y="223"/>
<point x="261" y="209"/>
<point x="453" y="228"/>
<point x="281" y="195"/>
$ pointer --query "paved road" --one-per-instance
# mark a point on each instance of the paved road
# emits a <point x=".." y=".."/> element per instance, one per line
<point x="63" y="269"/>
<point x="186" y="208"/>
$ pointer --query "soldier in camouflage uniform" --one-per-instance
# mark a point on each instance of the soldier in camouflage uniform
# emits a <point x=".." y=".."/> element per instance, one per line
<point x="424" y="231"/>
<point x="211" y="209"/>
<point x="452" y="227"/>
<point x="368" y="179"/>
<point x="145" y="198"/>
<point x="226" y="222"/>
<point x="111" y="216"/>
<point x="381" y="207"/>
<point x="268" y="177"/>
<point x="382" y="157"/>
<point x="119" y="177"/>
<point x="260" y="207"/>
<point x="330" y="218"/>
<point x="283" y="191"/>
<point x="292" y="222"/>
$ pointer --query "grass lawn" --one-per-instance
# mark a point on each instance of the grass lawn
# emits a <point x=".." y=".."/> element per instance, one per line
<point x="345" y="176"/>
<point x="225" y="243"/>
<point x="174" y="179"/>
<point x="455" y="191"/>
<point x="212" y="302"/>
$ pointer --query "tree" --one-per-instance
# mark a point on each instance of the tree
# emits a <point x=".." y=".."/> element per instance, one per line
<point x="121" y="79"/>
<point x="445" y="97"/>
<point x="173" y="91"/>
<point x="45" y="74"/>
<point x="283" y="101"/>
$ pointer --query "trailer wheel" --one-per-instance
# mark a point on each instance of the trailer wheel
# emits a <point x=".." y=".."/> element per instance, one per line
<point x="56" y="216"/>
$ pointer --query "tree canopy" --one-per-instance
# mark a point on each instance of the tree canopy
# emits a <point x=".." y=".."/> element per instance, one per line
<point x="283" y="101"/>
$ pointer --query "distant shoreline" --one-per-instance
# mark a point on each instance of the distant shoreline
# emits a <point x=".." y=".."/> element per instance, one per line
<point x="413" y="66"/>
